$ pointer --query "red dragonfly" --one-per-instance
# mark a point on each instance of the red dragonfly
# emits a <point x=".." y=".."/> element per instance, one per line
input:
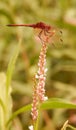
<point x="46" y="31"/>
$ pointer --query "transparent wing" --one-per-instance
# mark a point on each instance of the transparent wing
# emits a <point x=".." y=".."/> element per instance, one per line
<point x="57" y="38"/>
<point x="53" y="36"/>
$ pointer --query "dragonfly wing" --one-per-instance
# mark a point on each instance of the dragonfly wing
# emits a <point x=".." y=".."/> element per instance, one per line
<point x="52" y="36"/>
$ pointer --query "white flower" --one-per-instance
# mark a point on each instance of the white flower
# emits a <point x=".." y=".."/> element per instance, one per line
<point x="45" y="98"/>
<point x="46" y="69"/>
<point x="31" y="127"/>
<point x="36" y="76"/>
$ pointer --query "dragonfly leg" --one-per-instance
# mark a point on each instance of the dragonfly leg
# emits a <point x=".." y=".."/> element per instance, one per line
<point x="47" y="35"/>
<point x="39" y="35"/>
<point x="46" y="32"/>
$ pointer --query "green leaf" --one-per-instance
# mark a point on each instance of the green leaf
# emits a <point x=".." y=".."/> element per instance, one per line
<point x="53" y="103"/>
<point x="19" y="111"/>
<point x="5" y="105"/>
<point x="2" y="105"/>
<point x="11" y="66"/>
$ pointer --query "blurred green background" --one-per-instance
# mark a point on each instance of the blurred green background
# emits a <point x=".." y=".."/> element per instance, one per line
<point x="61" y="57"/>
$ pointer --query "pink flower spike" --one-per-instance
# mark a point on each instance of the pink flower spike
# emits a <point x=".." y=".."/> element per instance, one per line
<point x="39" y="83"/>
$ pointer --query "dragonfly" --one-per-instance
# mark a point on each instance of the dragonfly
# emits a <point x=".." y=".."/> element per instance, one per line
<point x="45" y="31"/>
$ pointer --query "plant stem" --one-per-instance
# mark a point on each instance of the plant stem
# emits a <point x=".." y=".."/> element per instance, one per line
<point x="71" y="127"/>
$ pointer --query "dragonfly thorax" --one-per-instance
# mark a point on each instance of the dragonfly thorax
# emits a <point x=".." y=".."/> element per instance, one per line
<point x="42" y="26"/>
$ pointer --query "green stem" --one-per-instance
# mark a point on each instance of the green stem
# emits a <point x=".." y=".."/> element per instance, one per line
<point x="71" y="127"/>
